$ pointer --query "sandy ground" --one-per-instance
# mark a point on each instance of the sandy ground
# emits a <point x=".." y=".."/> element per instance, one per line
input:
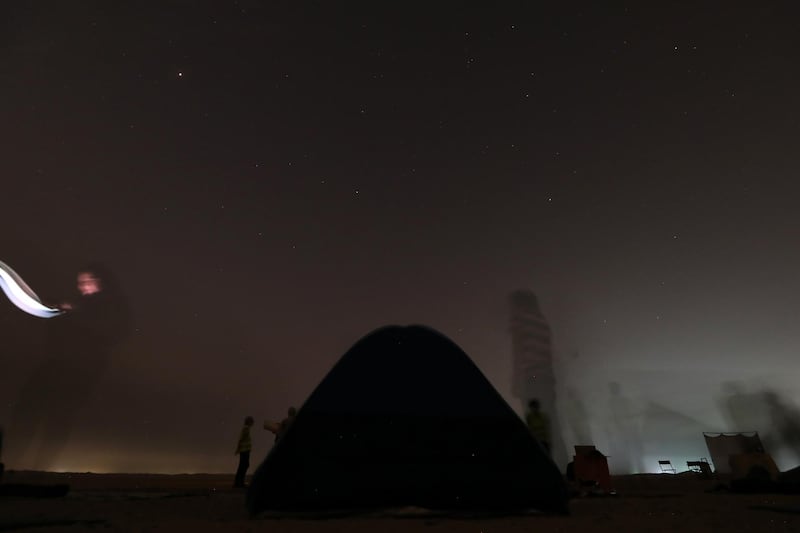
<point x="128" y="502"/>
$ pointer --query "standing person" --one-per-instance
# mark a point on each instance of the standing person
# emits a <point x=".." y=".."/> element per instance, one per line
<point x="280" y="428"/>
<point x="243" y="451"/>
<point x="78" y="347"/>
<point x="538" y="424"/>
<point x="286" y="422"/>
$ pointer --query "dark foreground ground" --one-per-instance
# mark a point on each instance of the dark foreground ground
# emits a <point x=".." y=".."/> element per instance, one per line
<point x="120" y="502"/>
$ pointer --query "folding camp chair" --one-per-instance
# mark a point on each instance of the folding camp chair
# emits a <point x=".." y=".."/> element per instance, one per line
<point x="700" y="467"/>
<point x="666" y="466"/>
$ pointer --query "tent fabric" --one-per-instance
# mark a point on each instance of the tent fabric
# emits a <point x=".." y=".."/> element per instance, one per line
<point x="405" y="418"/>
<point x="722" y="446"/>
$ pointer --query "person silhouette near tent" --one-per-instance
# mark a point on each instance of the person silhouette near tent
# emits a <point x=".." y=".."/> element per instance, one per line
<point x="279" y="428"/>
<point x="243" y="448"/>
<point x="538" y="424"/>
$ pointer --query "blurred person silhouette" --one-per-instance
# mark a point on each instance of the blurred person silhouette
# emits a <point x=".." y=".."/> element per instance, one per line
<point x="538" y="424"/>
<point x="577" y="417"/>
<point x="624" y="431"/>
<point x="744" y="409"/>
<point x="243" y="448"/>
<point x="77" y="348"/>
<point x="280" y="428"/>
<point x="784" y="421"/>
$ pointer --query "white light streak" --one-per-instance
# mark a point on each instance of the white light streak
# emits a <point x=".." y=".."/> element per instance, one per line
<point x="22" y="296"/>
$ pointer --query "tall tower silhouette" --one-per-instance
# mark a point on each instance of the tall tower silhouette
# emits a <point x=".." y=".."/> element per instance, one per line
<point x="533" y="376"/>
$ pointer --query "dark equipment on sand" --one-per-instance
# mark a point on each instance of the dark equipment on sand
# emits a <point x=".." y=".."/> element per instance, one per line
<point x="405" y="418"/>
<point x="700" y="467"/>
<point x="589" y="472"/>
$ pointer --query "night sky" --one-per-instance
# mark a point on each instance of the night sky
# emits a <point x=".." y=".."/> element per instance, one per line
<point x="270" y="181"/>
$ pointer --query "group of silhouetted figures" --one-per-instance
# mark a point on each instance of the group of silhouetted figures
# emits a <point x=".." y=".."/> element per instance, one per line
<point x="78" y="344"/>
<point x="245" y="443"/>
<point x="537" y="421"/>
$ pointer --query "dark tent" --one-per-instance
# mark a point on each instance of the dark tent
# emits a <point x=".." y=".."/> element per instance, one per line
<point x="405" y="418"/>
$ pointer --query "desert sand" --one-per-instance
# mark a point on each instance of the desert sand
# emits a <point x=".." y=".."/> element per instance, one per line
<point x="137" y="502"/>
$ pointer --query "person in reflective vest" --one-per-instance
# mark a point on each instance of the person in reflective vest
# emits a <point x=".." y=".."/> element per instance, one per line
<point x="538" y="424"/>
<point x="243" y="448"/>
